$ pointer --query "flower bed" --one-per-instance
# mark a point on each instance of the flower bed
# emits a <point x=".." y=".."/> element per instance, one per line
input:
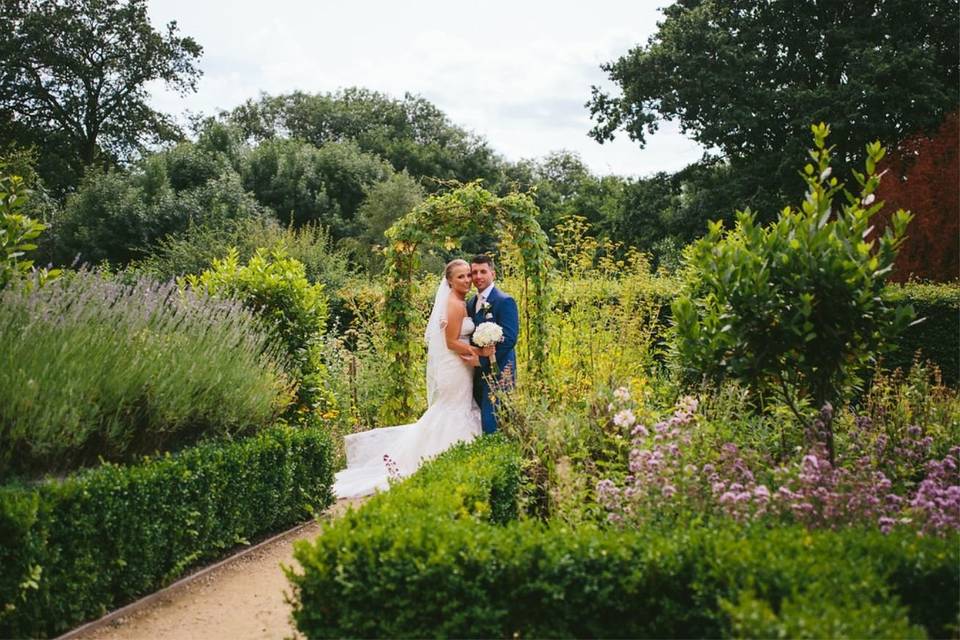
<point x="72" y="550"/>
<point x="443" y="555"/>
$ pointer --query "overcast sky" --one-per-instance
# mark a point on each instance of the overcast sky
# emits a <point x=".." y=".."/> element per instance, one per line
<point x="517" y="73"/>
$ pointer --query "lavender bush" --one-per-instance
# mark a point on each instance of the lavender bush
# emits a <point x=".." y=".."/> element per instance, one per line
<point x="92" y="369"/>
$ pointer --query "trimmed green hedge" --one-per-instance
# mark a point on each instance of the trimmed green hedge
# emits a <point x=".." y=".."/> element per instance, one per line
<point x="72" y="550"/>
<point x="938" y="337"/>
<point x="438" y="556"/>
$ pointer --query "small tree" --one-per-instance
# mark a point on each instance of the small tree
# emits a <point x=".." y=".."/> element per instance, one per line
<point x="797" y="308"/>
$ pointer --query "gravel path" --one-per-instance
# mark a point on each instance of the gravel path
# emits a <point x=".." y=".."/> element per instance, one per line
<point x="242" y="599"/>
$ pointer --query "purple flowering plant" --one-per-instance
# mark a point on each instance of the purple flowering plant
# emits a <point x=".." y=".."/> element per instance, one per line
<point x="675" y="471"/>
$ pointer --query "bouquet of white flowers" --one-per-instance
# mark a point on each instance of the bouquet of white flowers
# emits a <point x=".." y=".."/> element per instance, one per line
<point x="487" y="334"/>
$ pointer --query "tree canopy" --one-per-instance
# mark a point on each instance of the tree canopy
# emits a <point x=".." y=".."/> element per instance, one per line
<point x="73" y="81"/>
<point x="747" y="78"/>
<point x="410" y="133"/>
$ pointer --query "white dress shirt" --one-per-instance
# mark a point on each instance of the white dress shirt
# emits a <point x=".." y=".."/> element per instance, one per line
<point x="482" y="296"/>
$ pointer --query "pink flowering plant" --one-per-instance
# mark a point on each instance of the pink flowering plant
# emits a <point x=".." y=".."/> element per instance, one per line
<point x="676" y="471"/>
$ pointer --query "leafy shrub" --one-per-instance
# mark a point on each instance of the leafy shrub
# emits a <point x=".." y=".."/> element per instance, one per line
<point x="275" y="286"/>
<point x="115" y="217"/>
<point x="195" y="249"/>
<point x="431" y="559"/>
<point x="16" y="232"/>
<point x="93" y="369"/>
<point x="798" y="308"/>
<point x="403" y="528"/>
<point x="74" y="549"/>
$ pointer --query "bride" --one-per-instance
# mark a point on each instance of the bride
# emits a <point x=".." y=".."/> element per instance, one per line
<point x="452" y="415"/>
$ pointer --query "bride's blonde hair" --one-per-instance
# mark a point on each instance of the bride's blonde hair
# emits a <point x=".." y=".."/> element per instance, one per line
<point x="456" y="262"/>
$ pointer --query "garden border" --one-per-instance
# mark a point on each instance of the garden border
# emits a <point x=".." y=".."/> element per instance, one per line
<point x="459" y="562"/>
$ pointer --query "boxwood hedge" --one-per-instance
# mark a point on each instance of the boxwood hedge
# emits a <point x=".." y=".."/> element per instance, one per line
<point x="937" y="337"/>
<point x="73" y="549"/>
<point x="442" y="555"/>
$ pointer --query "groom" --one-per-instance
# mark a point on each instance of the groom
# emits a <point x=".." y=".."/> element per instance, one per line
<point x="492" y="305"/>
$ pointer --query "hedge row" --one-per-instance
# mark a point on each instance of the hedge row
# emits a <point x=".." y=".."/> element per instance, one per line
<point x="72" y="550"/>
<point x="937" y="338"/>
<point x="435" y="557"/>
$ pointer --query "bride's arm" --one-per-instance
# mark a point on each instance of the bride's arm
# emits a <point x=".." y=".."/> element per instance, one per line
<point x="456" y="312"/>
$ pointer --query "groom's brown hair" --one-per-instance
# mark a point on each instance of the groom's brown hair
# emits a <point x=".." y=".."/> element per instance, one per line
<point x="482" y="258"/>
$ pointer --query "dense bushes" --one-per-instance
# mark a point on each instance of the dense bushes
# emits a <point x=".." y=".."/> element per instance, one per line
<point x="304" y="183"/>
<point x="91" y="369"/>
<point x="116" y="217"/>
<point x="429" y="560"/>
<point x="71" y="550"/>
<point x="385" y="548"/>
<point x="275" y="287"/>
<point x="195" y="250"/>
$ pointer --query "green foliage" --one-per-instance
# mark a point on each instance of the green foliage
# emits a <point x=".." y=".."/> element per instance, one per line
<point x="664" y="212"/>
<point x="93" y="370"/>
<point x="195" y="249"/>
<point x="468" y="208"/>
<point x="433" y="558"/>
<point x="410" y="133"/>
<point x="187" y="166"/>
<point x="16" y="233"/>
<point x="605" y="321"/>
<point x="76" y="548"/>
<point x="355" y="357"/>
<point x="76" y="77"/>
<point x="386" y="202"/>
<point x="275" y="286"/>
<point x="117" y="217"/>
<point x="403" y="532"/>
<point x="798" y="308"/>
<point x="321" y="185"/>
<point x="562" y="185"/>
<point x="937" y="336"/>
<point x="746" y="78"/>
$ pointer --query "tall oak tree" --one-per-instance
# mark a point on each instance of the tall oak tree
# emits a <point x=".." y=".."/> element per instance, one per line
<point x="74" y="78"/>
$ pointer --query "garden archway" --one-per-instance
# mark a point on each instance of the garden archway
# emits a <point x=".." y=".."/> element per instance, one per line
<point x="464" y="209"/>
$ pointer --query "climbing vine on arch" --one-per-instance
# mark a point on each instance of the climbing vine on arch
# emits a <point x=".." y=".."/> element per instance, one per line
<point x="462" y="210"/>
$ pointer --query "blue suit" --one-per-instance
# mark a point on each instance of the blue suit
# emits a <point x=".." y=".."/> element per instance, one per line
<point x="502" y="309"/>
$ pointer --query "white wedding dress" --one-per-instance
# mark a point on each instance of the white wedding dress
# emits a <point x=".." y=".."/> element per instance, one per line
<point x="452" y="416"/>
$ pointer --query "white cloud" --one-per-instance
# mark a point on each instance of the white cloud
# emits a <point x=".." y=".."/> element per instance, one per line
<point x="517" y="73"/>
